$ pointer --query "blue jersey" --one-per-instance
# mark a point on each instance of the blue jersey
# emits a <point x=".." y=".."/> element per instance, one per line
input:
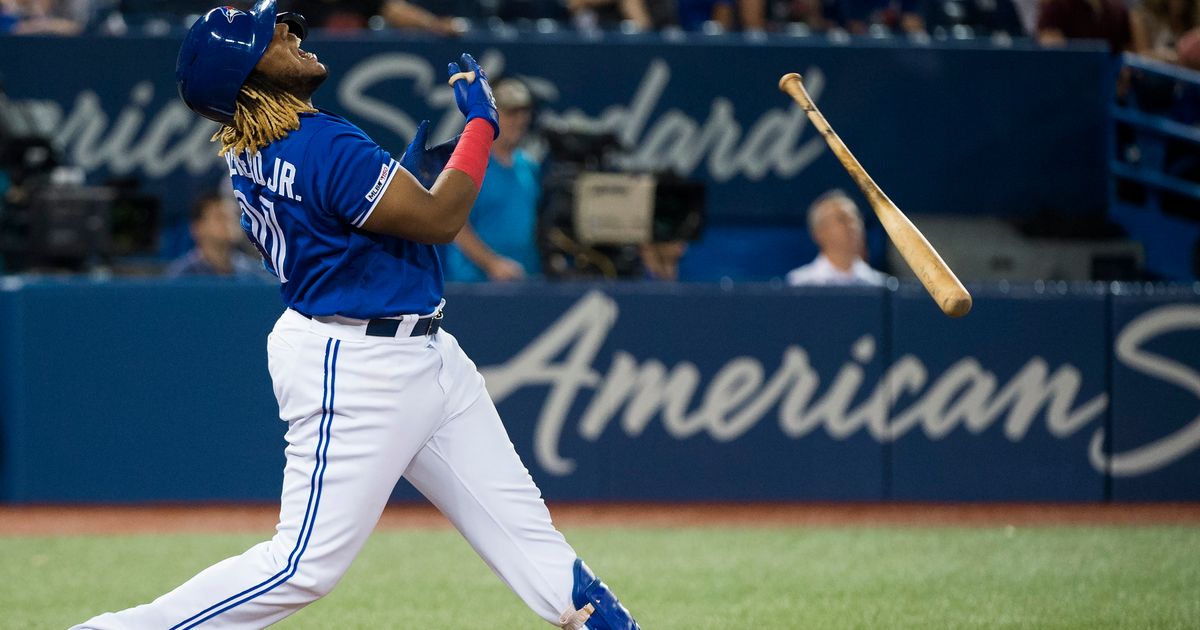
<point x="304" y="199"/>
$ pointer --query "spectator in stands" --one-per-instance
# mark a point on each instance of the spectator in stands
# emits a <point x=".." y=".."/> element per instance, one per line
<point x="343" y="15"/>
<point x="660" y="261"/>
<point x="36" y="17"/>
<point x="732" y="15"/>
<point x="1061" y="20"/>
<point x="606" y="14"/>
<point x="981" y="18"/>
<point x="1159" y="25"/>
<point x="895" y="15"/>
<point x="836" y="226"/>
<point x="1187" y="50"/>
<point x="1027" y="12"/>
<point x="216" y="233"/>
<point x="809" y="12"/>
<point x="521" y="10"/>
<point x="499" y="241"/>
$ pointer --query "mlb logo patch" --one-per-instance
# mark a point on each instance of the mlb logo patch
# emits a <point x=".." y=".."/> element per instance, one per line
<point x="375" y="190"/>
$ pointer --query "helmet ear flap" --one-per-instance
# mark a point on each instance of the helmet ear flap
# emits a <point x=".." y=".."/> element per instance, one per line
<point x="296" y="24"/>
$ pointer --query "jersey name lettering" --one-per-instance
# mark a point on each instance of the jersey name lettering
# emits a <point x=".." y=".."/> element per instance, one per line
<point x="250" y="166"/>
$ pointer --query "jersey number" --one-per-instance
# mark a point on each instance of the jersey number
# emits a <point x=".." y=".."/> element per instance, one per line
<point x="265" y="232"/>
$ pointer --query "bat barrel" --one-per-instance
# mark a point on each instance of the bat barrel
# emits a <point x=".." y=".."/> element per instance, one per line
<point x="931" y="270"/>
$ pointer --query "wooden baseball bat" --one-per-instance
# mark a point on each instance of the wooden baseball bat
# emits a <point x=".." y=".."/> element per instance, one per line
<point x="933" y="272"/>
<point x="469" y="75"/>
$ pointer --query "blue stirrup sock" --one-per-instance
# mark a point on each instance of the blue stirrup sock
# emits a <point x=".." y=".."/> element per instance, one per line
<point x="609" y="613"/>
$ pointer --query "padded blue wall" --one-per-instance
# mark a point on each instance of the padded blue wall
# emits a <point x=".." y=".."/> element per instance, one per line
<point x="1155" y="394"/>
<point x="158" y="391"/>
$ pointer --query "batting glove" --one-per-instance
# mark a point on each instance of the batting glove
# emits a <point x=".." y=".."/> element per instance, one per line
<point x="474" y="95"/>
<point x="427" y="163"/>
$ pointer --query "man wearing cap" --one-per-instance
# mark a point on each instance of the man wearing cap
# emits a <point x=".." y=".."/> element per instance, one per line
<point x="371" y="386"/>
<point x="498" y="242"/>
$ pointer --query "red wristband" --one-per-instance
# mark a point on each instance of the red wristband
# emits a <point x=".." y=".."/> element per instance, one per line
<point x="471" y="154"/>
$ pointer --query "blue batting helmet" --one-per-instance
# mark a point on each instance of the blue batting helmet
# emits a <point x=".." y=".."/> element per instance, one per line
<point x="219" y="52"/>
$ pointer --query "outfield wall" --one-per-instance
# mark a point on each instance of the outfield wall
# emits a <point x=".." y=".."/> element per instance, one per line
<point x="135" y="391"/>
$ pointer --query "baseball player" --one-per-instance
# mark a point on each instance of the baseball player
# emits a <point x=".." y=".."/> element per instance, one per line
<point x="371" y="386"/>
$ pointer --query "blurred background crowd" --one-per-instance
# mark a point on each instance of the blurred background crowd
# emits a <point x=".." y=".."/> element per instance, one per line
<point x="1163" y="29"/>
<point x="522" y="224"/>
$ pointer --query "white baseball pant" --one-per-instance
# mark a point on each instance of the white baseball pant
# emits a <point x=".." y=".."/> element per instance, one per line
<point x="361" y="412"/>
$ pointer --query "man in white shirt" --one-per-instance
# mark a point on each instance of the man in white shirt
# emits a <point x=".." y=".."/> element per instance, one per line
<point x="837" y="228"/>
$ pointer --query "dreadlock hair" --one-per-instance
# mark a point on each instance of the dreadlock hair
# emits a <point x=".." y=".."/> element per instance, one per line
<point x="265" y="112"/>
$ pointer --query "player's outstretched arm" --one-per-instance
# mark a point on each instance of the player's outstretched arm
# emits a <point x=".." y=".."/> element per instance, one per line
<point x="436" y="215"/>
<point x="433" y="216"/>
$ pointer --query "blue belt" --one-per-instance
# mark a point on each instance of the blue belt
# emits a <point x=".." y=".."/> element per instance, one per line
<point x="389" y="327"/>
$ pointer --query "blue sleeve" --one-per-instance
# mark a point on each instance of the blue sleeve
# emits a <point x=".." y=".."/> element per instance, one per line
<point x="350" y="172"/>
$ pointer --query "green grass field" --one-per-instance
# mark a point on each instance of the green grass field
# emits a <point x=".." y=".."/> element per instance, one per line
<point x="710" y="578"/>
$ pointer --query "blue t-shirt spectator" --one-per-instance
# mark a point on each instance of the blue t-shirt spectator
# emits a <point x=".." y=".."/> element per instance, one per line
<point x="504" y="217"/>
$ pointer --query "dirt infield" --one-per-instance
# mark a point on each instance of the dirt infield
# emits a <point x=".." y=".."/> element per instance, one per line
<point x="58" y="520"/>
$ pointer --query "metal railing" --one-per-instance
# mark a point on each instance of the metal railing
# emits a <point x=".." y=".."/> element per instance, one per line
<point x="1154" y="164"/>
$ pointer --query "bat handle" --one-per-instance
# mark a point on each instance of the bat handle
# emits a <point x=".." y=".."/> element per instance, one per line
<point x="957" y="304"/>
<point x="468" y="75"/>
<point x="793" y="85"/>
